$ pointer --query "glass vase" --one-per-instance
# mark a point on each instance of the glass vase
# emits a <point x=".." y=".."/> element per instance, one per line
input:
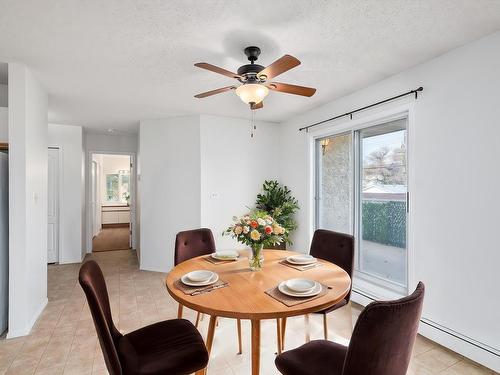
<point x="256" y="257"/>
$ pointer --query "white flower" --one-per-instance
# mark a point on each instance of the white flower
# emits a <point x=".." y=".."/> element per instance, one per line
<point x="255" y="235"/>
<point x="269" y="221"/>
<point x="246" y="229"/>
<point x="238" y="229"/>
<point x="261" y="221"/>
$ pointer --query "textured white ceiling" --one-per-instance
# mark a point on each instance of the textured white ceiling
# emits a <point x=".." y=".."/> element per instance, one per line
<point x="108" y="64"/>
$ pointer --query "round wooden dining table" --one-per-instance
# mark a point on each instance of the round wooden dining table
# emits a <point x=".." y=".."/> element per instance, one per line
<point x="245" y="297"/>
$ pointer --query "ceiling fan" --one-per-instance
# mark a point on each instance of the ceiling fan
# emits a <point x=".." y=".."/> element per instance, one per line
<point x="256" y="80"/>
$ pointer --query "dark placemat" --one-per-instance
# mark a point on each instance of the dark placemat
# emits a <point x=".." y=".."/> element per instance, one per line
<point x="293" y="301"/>
<point x="209" y="259"/>
<point x="195" y="290"/>
<point x="301" y="268"/>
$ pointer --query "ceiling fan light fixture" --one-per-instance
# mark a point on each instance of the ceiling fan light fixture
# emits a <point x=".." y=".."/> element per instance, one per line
<point x="252" y="92"/>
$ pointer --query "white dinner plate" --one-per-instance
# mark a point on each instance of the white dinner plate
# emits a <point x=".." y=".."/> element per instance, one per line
<point x="301" y="260"/>
<point x="225" y="255"/>
<point x="300" y="285"/>
<point x="185" y="280"/>
<point x="313" y="292"/>
<point x="199" y="276"/>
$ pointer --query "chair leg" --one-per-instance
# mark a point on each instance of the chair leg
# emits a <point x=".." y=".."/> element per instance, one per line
<point x="238" y="324"/>
<point x="278" y="335"/>
<point x="308" y="333"/>
<point x="179" y="311"/>
<point x="197" y="319"/>
<point x="325" y="327"/>
<point x="283" y="329"/>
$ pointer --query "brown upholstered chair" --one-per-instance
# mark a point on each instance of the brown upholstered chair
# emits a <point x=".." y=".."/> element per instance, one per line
<point x="193" y="243"/>
<point x="381" y="343"/>
<point x="168" y="347"/>
<point x="337" y="248"/>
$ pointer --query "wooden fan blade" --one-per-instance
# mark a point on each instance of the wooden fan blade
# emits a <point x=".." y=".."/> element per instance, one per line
<point x="291" y="89"/>
<point x="213" y="92"/>
<point x="216" y="69"/>
<point x="257" y="106"/>
<point x="280" y="66"/>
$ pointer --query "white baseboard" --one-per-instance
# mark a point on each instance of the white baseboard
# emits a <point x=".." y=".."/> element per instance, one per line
<point x="466" y="346"/>
<point x="31" y="323"/>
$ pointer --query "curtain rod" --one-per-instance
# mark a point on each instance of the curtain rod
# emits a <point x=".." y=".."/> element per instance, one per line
<point x="306" y="128"/>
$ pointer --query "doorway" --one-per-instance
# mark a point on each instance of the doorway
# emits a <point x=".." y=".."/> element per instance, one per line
<point x="53" y="162"/>
<point x="111" y="204"/>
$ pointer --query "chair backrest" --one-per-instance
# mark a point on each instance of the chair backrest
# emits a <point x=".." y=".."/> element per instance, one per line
<point x="193" y="243"/>
<point x="94" y="286"/>
<point x="334" y="247"/>
<point x="383" y="338"/>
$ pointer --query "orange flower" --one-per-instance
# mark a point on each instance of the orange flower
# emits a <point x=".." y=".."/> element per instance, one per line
<point x="268" y="229"/>
<point x="254" y="224"/>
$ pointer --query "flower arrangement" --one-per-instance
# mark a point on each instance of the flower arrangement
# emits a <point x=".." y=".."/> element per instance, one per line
<point x="256" y="229"/>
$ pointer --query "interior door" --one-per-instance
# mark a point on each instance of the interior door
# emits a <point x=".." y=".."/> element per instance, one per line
<point x="53" y="206"/>
<point x="95" y="199"/>
<point x="132" y="204"/>
<point x="4" y="241"/>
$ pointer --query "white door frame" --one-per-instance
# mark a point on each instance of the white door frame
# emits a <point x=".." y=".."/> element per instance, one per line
<point x="59" y="195"/>
<point x="88" y="203"/>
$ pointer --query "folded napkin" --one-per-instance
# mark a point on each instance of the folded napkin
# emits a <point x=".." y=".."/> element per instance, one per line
<point x="195" y="290"/>
<point x="305" y="267"/>
<point x="292" y="301"/>
<point x="209" y="259"/>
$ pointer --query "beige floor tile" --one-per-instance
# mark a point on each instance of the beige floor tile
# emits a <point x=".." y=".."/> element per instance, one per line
<point x="437" y="359"/>
<point x="64" y="340"/>
<point x="466" y="367"/>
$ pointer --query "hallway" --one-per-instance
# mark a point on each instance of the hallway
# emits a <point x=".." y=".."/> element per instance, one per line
<point x="114" y="238"/>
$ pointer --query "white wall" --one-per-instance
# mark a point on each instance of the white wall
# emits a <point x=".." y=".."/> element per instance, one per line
<point x="169" y="185"/>
<point x="454" y="146"/>
<point x="69" y="140"/>
<point x="233" y="169"/>
<point x="110" y="143"/>
<point x="4" y="95"/>
<point x="27" y="200"/>
<point x="198" y="171"/>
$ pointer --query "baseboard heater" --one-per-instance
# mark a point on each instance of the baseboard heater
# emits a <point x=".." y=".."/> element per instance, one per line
<point x="491" y="362"/>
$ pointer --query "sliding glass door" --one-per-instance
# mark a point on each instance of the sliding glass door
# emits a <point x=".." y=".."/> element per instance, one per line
<point x="361" y="189"/>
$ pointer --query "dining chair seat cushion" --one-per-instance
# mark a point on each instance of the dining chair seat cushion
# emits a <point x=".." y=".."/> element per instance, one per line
<point x="314" y="358"/>
<point x="338" y="305"/>
<point x="173" y="347"/>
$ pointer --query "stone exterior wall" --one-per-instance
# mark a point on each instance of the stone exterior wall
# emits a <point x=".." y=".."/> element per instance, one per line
<point x="337" y="185"/>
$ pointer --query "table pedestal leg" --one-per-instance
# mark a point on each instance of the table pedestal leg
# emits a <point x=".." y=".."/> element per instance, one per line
<point x="210" y="340"/>
<point x="255" y="347"/>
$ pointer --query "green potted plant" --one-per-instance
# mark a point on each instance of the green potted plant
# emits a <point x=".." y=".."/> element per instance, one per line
<point x="278" y="201"/>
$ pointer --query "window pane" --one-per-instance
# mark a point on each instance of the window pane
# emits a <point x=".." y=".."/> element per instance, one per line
<point x="112" y="188"/>
<point x="383" y="201"/>
<point x="335" y="183"/>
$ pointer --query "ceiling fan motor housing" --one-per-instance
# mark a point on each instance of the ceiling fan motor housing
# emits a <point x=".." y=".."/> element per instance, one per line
<point x="249" y="71"/>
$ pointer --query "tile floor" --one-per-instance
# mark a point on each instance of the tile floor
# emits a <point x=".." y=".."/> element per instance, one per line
<point x="63" y="340"/>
